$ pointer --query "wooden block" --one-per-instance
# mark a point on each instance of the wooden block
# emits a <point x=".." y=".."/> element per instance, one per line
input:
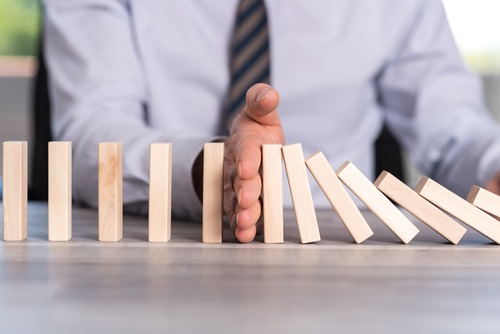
<point x="390" y="215"/>
<point x="160" y="192"/>
<point x="301" y="193"/>
<point x="420" y="208"/>
<point x="272" y="193"/>
<point x="15" y="190"/>
<point x="213" y="178"/>
<point x="459" y="208"/>
<point x="339" y="198"/>
<point x="485" y="200"/>
<point x="59" y="191"/>
<point x="110" y="192"/>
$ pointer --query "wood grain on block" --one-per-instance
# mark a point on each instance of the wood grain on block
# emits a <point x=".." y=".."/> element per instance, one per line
<point x="110" y="192"/>
<point x="390" y="215"/>
<point x="15" y="190"/>
<point x="419" y="207"/>
<point x="485" y="200"/>
<point x="160" y="192"/>
<point x="59" y="191"/>
<point x="338" y="197"/>
<point x="272" y="193"/>
<point x="301" y="193"/>
<point x="213" y="178"/>
<point x="459" y="208"/>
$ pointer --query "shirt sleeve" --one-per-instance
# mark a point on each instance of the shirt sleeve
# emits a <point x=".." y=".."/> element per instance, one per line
<point x="98" y="94"/>
<point x="434" y="106"/>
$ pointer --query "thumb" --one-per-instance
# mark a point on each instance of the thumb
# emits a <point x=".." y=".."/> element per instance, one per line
<point x="261" y="104"/>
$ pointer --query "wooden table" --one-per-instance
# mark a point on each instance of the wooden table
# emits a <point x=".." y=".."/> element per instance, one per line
<point x="334" y="286"/>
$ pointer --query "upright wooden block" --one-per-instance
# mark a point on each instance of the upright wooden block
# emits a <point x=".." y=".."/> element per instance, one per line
<point x="339" y="198"/>
<point x="301" y="193"/>
<point x="59" y="191"/>
<point x="390" y="215"/>
<point x="485" y="200"/>
<point x="459" y="208"/>
<point x="419" y="207"/>
<point x="272" y="193"/>
<point x="160" y="192"/>
<point x="15" y="190"/>
<point x="213" y="182"/>
<point x="110" y="192"/>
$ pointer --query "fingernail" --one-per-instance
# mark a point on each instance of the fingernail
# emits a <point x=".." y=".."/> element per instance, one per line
<point x="262" y="94"/>
<point x="238" y="196"/>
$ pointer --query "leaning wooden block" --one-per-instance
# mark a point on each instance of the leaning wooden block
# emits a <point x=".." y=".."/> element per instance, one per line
<point x="419" y="207"/>
<point x="301" y="193"/>
<point x="110" y="192"/>
<point x="272" y="193"/>
<point x="390" y="215"/>
<point x="213" y="178"/>
<point x="339" y="198"/>
<point x="160" y="192"/>
<point x="59" y="202"/>
<point x="459" y="208"/>
<point x="485" y="200"/>
<point x="15" y="190"/>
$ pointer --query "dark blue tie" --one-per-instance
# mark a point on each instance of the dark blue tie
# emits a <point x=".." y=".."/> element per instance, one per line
<point x="249" y="55"/>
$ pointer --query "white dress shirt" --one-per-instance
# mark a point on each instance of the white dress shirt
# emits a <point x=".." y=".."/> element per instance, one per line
<point x="143" y="71"/>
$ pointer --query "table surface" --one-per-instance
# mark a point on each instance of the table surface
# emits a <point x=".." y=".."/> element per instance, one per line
<point x="185" y="286"/>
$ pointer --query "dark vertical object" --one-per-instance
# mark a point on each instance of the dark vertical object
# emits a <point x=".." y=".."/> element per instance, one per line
<point x="249" y="57"/>
<point x="388" y="155"/>
<point x="41" y="133"/>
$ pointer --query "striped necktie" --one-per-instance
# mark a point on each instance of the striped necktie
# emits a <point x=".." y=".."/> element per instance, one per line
<point x="249" y="55"/>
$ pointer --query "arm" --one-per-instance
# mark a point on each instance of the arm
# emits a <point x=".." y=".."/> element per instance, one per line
<point x="434" y="105"/>
<point x="99" y="93"/>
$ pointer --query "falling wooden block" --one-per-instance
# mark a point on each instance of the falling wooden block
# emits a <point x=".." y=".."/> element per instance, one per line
<point x="160" y="192"/>
<point x="110" y="192"/>
<point x="459" y="208"/>
<point x="347" y="210"/>
<point x="15" y="190"/>
<point x="272" y="193"/>
<point x="213" y="182"/>
<point x="301" y="193"/>
<point x="485" y="200"/>
<point x="59" y="202"/>
<point x="390" y="215"/>
<point x="419" y="207"/>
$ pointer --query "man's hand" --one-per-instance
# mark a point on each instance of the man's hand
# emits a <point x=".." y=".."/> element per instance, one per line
<point x="257" y="124"/>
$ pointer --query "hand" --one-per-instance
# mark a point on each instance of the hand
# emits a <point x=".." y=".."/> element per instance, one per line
<point x="493" y="184"/>
<point x="257" y="124"/>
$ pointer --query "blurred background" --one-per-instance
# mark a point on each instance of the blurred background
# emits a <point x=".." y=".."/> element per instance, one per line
<point x="475" y="24"/>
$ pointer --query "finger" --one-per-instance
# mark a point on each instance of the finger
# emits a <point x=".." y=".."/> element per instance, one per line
<point x="261" y="104"/>
<point x="246" y="236"/>
<point x="248" y="158"/>
<point x="247" y="218"/>
<point x="248" y="191"/>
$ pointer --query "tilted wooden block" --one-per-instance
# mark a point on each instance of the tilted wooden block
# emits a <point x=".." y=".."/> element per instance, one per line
<point x="459" y="208"/>
<point x="485" y="200"/>
<point x="272" y="193"/>
<point x="301" y="193"/>
<point x="15" y="190"/>
<point x="347" y="210"/>
<point x="160" y="192"/>
<point x="390" y="215"/>
<point x="419" y="207"/>
<point x="213" y="182"/>
<point x="59" y="191"/>
<point x="110" y="192"/>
